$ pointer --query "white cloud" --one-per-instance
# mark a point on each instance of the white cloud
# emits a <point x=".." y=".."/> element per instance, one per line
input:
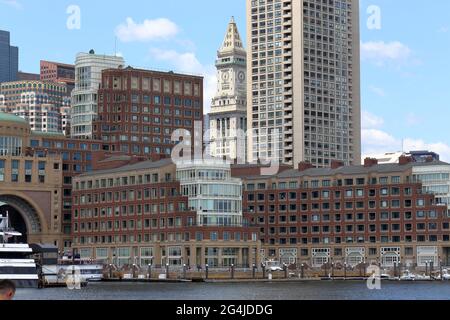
<point x="378" y="138"/>
<point x="371" y="121"/>
<point x="12" y="3"/>
<point x="444" y="29"/>
<point x="378" y="91"/>
<point x="376" y="141"/>
<point x="382" y="52"/>
<point x="441" y="148"/>
<point x="187" y="62"/>
<point x="149" y="30"/>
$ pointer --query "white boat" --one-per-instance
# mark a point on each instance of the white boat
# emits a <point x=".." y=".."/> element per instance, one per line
<point x="15" y="261"/>
<point x="408" y="276"/>
<point x="445" y="275"/>
<point x="90" y="270"/>
<point x="61" y="271"/>
<point x="423" y="277"/>
<point x="385" y="276"/>
<point x="272" y="265"/>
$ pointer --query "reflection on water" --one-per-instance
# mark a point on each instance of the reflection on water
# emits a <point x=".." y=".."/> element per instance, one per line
<point x="250" y="291"/>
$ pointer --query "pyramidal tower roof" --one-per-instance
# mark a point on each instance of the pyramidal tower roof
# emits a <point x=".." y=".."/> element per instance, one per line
<point x="232" y="39"/>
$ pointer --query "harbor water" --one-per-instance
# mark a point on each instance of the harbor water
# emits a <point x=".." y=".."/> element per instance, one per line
<point x="313" y="290"/>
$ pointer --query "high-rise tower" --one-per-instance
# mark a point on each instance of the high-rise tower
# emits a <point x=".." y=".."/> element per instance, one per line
<point x="304" y="81"/>
<point x="9" y="58"/>
<point x="88" y="77"/>
<point x="228" y="117"/>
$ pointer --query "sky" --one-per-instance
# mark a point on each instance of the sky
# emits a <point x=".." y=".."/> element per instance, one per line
<point x="405" y="50"/>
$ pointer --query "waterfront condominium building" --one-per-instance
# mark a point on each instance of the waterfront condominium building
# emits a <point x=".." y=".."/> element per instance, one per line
<point x="88" y="76"/>
<point x="371" y="213"/>
<point x="304" y="81"/>
<point x="435" y="178"/>
<point x="139" y="110"/>
<point x="9" y="58"/>
<point x="228" y="116"/>
<point x="140" y="213"/>
<point x="212" y="192"/>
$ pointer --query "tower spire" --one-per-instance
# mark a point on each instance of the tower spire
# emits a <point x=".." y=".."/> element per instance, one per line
<point x="232" y="39"/>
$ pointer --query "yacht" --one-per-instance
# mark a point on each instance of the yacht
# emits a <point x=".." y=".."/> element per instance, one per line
<point x="15" y="261"/>
<point x="445" y="274"/>
<point x="408" y="276"/>
<point x="58" y="272"/>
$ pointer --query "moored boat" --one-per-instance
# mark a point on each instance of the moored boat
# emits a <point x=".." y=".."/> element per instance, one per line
<point x="15" y="261"/>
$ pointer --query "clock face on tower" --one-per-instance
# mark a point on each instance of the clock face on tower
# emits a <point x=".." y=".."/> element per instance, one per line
<point x="225" y="76"/>
<point x="241" y="76"/>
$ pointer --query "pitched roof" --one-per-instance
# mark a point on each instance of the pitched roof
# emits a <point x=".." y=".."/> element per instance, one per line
<point x="143" y="165"/>
<point x="349" y="170"/>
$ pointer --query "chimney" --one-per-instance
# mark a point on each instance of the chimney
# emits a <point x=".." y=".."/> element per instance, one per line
<point x="370" y="162"/>
<point x="303" y="166"/>
<point x="404" y="160"/>
<point x="335" y="164"/>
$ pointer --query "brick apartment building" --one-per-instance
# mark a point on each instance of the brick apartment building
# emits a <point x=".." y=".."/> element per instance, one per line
<point x="355" y="214"/>
<point x="137" y="212"/>
<point x="138" y="110"/>
<point x="58" y="72"/>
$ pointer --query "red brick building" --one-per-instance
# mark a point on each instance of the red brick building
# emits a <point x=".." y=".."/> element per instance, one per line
<point x="136" y="213"/>
<point x="58" y="72"/>
<point x="357" y="214"/>
<point x="138" y="110"/>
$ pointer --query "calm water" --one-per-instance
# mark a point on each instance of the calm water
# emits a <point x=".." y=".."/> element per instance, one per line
<point x="249" y="291"/>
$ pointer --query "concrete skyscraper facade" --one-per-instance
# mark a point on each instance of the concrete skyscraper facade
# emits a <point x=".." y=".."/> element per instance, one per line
<point x="304" y="81"/>
<point x="88" y="77"/>
<point x="228" y="116"/>
<point x="9" y="58"/>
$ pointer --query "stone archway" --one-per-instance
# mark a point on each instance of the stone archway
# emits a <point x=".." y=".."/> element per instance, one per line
<point x="29" y="213"/>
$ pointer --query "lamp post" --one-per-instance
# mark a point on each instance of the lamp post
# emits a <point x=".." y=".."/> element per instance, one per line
<point x="285" y="268"/>
<point x="184" y="271"/>
<point x="332" y="270"/>
<point x="207" y="271"/>
<point x="110" y="271"/>
<point x="426" y="268"/>
<point x="303" y="271"/>
<point x="232" y="271"/>
<point x="263" y="266"/>
<point x="134" y="271"/>
<point x="431" y="267"/>
<point x="441" y="270"/>
<point x="167" y="271"/>
<point x="254" y="271"/>
<point x="149" y="270"/>
<point x="345" y="270"/>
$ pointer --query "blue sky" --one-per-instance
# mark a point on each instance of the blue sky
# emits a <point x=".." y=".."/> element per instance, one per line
<point x="405" y="84"/>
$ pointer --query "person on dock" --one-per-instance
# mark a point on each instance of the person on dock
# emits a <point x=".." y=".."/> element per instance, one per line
<point x="7" y="290"/>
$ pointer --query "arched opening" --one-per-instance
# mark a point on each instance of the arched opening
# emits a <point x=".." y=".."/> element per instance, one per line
<point x="16" y="222"/>
<point x="23" y="217"/>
